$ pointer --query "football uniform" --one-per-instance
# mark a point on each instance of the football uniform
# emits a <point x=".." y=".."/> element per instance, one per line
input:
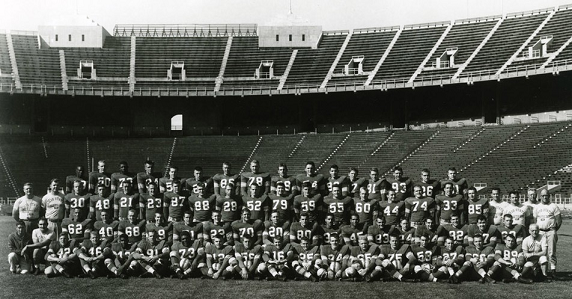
<point x="289" y="182"/>
<point x="202" y="207"/>
<point x="192" y="185"/>
<point x="341" y="181"/>
<point x="210" y="230"/>
<point x="327" y="232"/>
<point x="97" y="178"/>
<point x="364" y="258"/>
<point x="379" y="236"/>
<point x="355" y="185"/>
<point x="217" y="255"/>
<point x="513" y="255"/>
<point x="282" y="205"/>
<point x="134" y="231"/>
<point x="166" y="232"/>
<point x="425" y="255"/>
<point x="220" y="181"/>
<point x="118" y="178"/>
<point x="457" y="233"/>
<point x="272" y="231"/>
<point x="459" y="185"/>
<point x="477" y="208"/>
<point x="406" y="236"/>
<point x="77" y="230"/>
<point x="402" y="187"/>
<point x="229" y="207"/>
<point x="81" y="202"/>
<point x="339" y="207"/>
<point x="491" y="235"/>
<point x="194" y="229"/>
<point x="431" y="188"/>
<point x="297" y="232"/>
<point x="317" y="180"/>
<point x="449" y="206"/>
<point x="180" y="251"/>
<point x="166" y="184"/>
<point x="392" y="211"/>
<point x="330" y="255"/>
<point x="311" y="206"/>
<point x="144" y="179"/>
<point x="456" y="255"/>
<point x="151" y="204"/>
<point x="251" y="229"/>
<point x="124" y="202"/>
<point x="424" y="230"/>
<point x="257" y="206"/>
<point x="306" y="257"/>
<point x="106" y="230"/>
<point x="365" y="209"/>
<point x="98" y="204"/>
<point x="262" y="180"/>
<point x="350" y="233"/>
<point x="397" y="257"/>
<point x="176" y="204"/>
<point x="517" y="230"/>
<point x="248" y="255"/>
<point x="419" y="208"/>
<point x="485" y="256"/>
<point x="376" y="189"/>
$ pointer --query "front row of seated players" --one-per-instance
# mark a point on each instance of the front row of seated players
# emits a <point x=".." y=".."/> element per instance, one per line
<point x="311" y="255"/>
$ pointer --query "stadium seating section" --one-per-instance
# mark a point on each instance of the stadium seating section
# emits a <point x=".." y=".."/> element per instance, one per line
<point x="510" y="156"/>
<point x="204" y="56"/>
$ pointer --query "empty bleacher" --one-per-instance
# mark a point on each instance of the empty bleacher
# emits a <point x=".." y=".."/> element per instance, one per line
<point x="510" y="35"/>
<point x="202" y="56"/>
<point x="111" y="61"/>
<point x="245" y="57"/>
<point x="210" y="152"/>
<point x="466" y="37"/>
<point x="409" y="51"/>
<point x="370" y="45"/>
<point x="36" y="66"/>
<point x="312" y="65"/>
<point x="515" y="162"/>
<point x="274" y="149"/>
<point x="314" y="147"/>
<point x="557" y="27"/>
<point x="353" y="151"/>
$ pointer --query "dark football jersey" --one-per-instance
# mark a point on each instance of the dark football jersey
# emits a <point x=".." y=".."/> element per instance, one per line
<point x="202" y="207"/>
<point x="430" y="188"/>
<point x="449" y="206"/>
<point x="125" y="202"/>
<point x="402" y="187"/>
<point x="229" y="207"/>
<point x="392" y="211"/>
<point x="477" y="208"/>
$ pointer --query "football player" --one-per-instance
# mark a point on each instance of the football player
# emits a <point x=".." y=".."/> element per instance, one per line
<point x="274" y="228"/>
<point x="305" y="228"/>
<point x="392" y="210"/>
<point x="308" y="203"/>
<point x="99" y="203"/>
<point x="423" y="257"/>
<point x="222" y="180"/>
<point x="187" y="257"/>
<point x="334" y="259"/>
<point x="125" y="200"/>
<point x="91" y="256"/>
<point x="356" y="183"/>
<point x="491" y="235"/>
<point x="106" y="227"/>
<point x="418" y="208"/>
<point x="201" y="204"/>
<point x="150" y="203"/>
<point x="329" y="228"/>
<point x="175" y="203"/>
<point x="392" y="260"/>
<point x="123" y="175"/>
<point x="61" y="257"/>
<point x="379" y="232"/>
<point x="220" y="259"/>
<point x="305" y="258"/>
<point x="451" y="259"/>
<point x="100" y="177"/>
<point x="351" y="232"/>
<point x="428" y="229"/>
<point x="77" y="227"/>
<point x="152" y="256"/>
<point x="454" y="229"/>
<point x="192" y="184"/>
<point x="166" y="183"/>
<point x="277" y="258"/>
<point x="431" y="188"/>
<point x="400" y="184"/>
<point x="195" y="229"/>
<point x="147" y="177"/>
<point x="282" y="203"/>
<point x="476" y="207"/>
<point x="365" y="208"/>
<point x="118" y="260"/>
<point x="449" y="204"/>
<point x="229" y="205"/>
<point x="132" y="227"/>
<point x="216" y="227"/>
<point x="510" y="259"/>
<point x="259" y="205"/>
<point x="376" y="187"/>
<point x="337" y="179"/>
<point x="508" y="227"/>
<point x="255" y="177"/>
<point x="362" y="260"/>
<point x="478" y="261"/>
<point x="338" y="205"/>
<point x="460" y="185"/>
<point x="289" y="182"/>
<point x="79" y="176"/>
<point x="161" y="227"/>
<point x="316" y="180"/>
<point x="78" y="198"/>
<point x="247" y="227"/>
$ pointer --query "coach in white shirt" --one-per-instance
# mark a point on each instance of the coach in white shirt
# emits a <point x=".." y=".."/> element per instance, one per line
<point x="549" y="220"/>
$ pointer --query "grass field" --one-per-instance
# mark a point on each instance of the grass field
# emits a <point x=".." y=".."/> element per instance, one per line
<point x="28" y="286"/>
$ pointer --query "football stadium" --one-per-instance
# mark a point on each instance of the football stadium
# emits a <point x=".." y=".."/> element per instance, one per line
<point x="282" y="159"/>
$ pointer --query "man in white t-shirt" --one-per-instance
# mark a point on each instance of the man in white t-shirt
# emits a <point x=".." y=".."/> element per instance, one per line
<point x="41" y="238"/>
<point x="549" y="220"/>
<point x="53" y="205"/>
<point x="496" y="207"/>
<point x="28" y="208"/>
<point x="534" y="250"/>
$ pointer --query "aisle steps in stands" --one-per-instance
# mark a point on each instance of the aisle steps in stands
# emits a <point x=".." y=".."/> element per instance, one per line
<point x="220" y="77"/>
<point x="132" y="79"/>
<point x="17" y="81"/>
<point x="335" y="63"/>
<point x="333" y="152"/>
<point x="287" y="71"/>
<point x="382" y="59"/>
<point x="555" y="54"/>
<point x="251" y="154"/>
<point x="483" y="43"/>
<point x="9" y="175"/>
<point x="171" y="153"/>
<point x="297" y="146"/>
<point x="471" y="138"/>
<point x="530" y="38"/>
<point x="63" y="70"/>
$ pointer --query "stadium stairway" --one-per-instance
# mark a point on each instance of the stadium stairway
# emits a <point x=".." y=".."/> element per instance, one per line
<point x="63" y="70"/>
<point x="287" y="71"/>
<point x="13" y="62"/>
<point x="435" y="47"/>
<point x="359" y="145"/>
<point x="337" y="59"/>
<point x="316" y="148"/>
<point x="6" y="74"/>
